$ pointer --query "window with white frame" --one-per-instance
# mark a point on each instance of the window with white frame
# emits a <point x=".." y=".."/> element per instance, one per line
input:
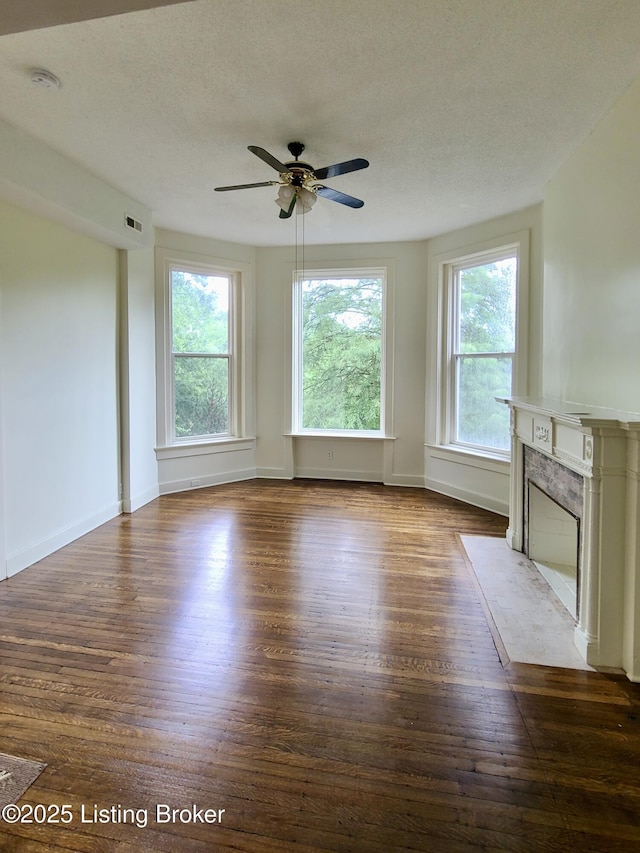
<point x="339" y="351"/>
<point x="481" y="319"/>
<point x="200" y="353"/>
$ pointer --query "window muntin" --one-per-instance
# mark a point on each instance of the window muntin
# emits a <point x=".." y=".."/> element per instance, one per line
<point x="339" y="352"/>
<point x="201" y="355"/>
<point x="482" y="350"/>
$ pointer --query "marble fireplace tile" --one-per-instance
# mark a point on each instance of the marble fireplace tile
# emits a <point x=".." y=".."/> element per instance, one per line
<point x="532" y="622"/>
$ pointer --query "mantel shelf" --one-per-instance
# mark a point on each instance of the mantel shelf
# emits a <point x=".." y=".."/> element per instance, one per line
<point x="579" y="413"/>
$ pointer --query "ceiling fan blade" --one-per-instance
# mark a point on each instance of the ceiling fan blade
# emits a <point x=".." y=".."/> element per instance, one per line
<point x="341" y="168"/>
<point x="268" y="158"/>
<point x="286" y="214"/>
<point x="342" y="198"/>
<point x="245" y="186"/>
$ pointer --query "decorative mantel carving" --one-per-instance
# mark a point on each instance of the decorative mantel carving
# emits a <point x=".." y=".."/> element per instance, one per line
<point x="603" y="446"/>
<point x="542" y="434"/>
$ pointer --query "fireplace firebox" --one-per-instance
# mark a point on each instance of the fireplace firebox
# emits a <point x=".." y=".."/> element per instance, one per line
<point x="548" y="538"/>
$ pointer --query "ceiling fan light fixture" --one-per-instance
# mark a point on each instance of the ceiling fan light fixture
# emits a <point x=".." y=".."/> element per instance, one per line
<point x="285" y="196"/>
<point x="305" y="199"/>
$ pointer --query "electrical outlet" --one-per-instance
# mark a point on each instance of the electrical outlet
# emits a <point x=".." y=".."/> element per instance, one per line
<point x="329" y="454"/>
<point x="195" y="482"/>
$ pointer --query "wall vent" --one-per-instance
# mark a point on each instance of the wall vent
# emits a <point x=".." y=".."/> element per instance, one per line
<point x="130" y="222"/>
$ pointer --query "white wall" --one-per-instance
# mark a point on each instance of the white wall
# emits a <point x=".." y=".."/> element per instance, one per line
<point x="58" y="334"/>
<point x="592" y="301"/>
<point x="137" y="378"/>
<point x="592" y="266"/>
<point x="396" y="462"/>
<point x="466" y="476"/>
<point x="49" y="184"/>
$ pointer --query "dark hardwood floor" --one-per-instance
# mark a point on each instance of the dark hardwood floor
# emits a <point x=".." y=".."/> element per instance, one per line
<point x="312" y="658"/>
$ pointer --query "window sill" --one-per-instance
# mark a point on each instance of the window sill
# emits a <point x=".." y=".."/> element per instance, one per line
<point x="333" y="434"/>
<point x="227" y="444"/>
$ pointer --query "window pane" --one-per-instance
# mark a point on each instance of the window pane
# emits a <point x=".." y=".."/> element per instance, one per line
<point x="200" y="312"/>
<point x="480" y="419"/>
<point x="341" y="353"/>
<point x="488" y="307"/>
<point x="201" y="396"/>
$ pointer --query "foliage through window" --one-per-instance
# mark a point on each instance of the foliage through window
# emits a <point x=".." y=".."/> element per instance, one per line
<point x="482" y="352"/>
<point x="338" y="336"/>
<point x="201" y="353"/>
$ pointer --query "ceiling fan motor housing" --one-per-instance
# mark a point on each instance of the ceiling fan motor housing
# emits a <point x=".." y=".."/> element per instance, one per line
<point x="300" y="172"/>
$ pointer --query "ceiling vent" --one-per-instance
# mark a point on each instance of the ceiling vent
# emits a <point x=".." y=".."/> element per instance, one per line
<point x="134" y="224"/>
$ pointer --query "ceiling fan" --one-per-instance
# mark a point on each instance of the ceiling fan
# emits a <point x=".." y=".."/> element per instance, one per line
<point x="300" y="183"/>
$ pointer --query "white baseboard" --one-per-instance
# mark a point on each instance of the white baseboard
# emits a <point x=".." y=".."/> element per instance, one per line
<point x="409" y="480"/>
<point x="342" y="474"/>
<point x="633" y="675"/>
<point x="589" y="648"/>
<point x="23" y="559"/>
<point x="512" y="541"/>
<point x="192" y="483"/>
<point x="481" y="501"/>
<point x="140" y="499"/>
<point x="272" y="474"/>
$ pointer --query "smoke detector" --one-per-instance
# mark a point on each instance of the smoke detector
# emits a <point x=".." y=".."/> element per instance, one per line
<point x="45" y="79"/>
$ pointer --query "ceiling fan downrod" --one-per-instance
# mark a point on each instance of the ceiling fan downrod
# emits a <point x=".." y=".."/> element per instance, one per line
<point x="296" y="148"/>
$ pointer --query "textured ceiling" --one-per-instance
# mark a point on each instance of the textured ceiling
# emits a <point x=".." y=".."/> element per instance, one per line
<point x="464" y="108"/>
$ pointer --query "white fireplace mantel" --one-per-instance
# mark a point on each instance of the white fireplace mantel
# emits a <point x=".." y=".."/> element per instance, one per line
<point x="603" y="446"/>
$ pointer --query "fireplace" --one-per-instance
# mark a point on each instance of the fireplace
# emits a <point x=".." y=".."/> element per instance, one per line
<point x="552" y="513"/>
<point x="586" y="461"/>
<point x="552" y="543"/>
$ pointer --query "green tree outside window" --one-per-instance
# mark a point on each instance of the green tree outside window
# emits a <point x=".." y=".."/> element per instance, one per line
<point x="341" y="354"/>
<point x="484" y="351"/>
<point x="201" y="353"/>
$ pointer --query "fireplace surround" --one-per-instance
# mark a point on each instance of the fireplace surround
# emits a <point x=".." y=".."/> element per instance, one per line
<point x="589" y="458"/>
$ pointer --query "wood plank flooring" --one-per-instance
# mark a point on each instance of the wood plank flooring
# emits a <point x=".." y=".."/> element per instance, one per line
<point x="311" y="657"/>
